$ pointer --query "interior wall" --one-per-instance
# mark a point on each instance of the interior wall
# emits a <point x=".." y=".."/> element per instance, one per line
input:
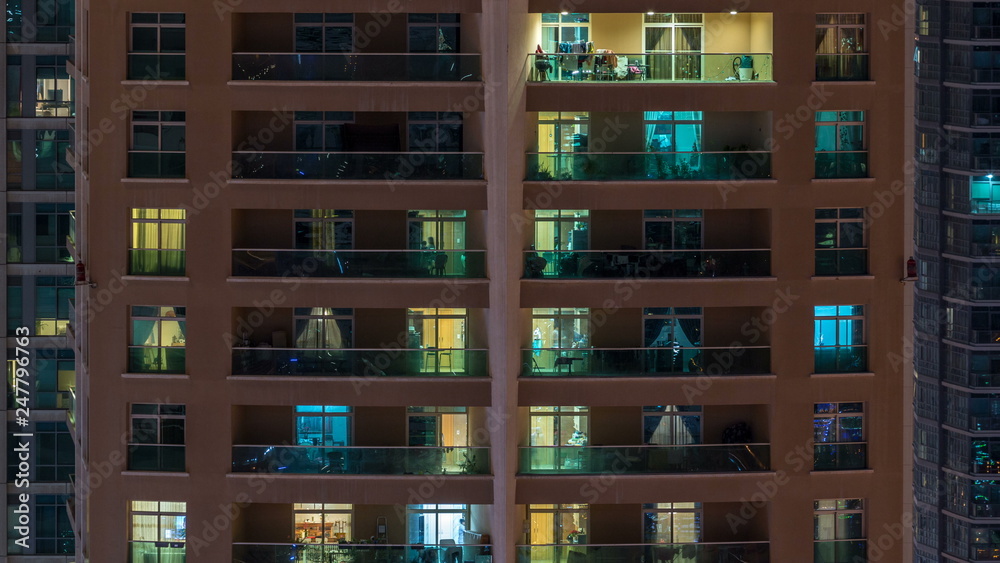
<point x="374" y="328"/>
<point x="264" y="523"/>
<point x="761" y="32"/>
<point x="724" y="325"/>
<point x="267" y="32"/>
<point x="380" y="33"/>
<point x="621" y="33"/>
<point x="366" y="516"/>
<point x="612" y="229"/>
<point x="251" y="123"/>
<point x="380" y="229"/>
<point x="737" y="228"/>
<point x="263" y="425"/>
<point x="735" y="128"/>
<point x="719" y="417"/>
<point x="264" y="228"/>
<point x="617" y="132"/>
<point x="615" y="524"/>
<point x="380" y="426"/>
<point x="280" y="320"/>
<point x="622" y="329"/>
<point x="475" y="229"/>
<point x="615" y="426"/>
<point x="717" y="526"/>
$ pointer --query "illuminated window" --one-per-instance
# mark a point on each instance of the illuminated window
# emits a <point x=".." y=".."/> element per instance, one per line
<point x="323" y="425"/>
<point x="672" y="522"/>
<point x="432" y="523"/>
<point x="672" y="425"/>
<point x="324" y="229"/>
<point x="158" y="531"/>
<point x="323" y="328"/>
<point x="158" y="242"/>
<point x="839" y="339"/>
<point x="558" y="523"/>
<point x="322" y="523"/>
<point x="158" y="339"/>
<point x="834" y="522"/>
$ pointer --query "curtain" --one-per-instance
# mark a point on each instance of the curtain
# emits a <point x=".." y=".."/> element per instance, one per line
<point x="322" y="331"/>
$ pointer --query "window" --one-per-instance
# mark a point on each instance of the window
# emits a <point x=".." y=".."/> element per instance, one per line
<point x="672" y="425"/>
<point x="562" y="229"/>
<point x="674" y="33"/>
<point x="838" y="433"/>
<point x="841" y="47"/>
<point x="841" y="148"/>
<point x="321" y="131"/>
<point x="429" y="131"/>
<point x="156" y="437"/>
<point x="156" y="47"/>
<point x="672" y="522"/>
<point x="41" y="301"/>
<point x="36" y="160"/>
<point x="559" y="426"/>
<point x="431" y="229"/>
<point x="442" y="334"/>
<point x="324" y="33"/>
<point x="157" y="145"/>
<point x="434" y="33"/>
<point x="54" y="458"/>
<point x="323" y="328"/>
<point x="432" y="523"/>
<point x="839" y="339"/>
<point x="53" y="87"/>
<point x="158" y="531"/>
<point x="437" y="426"/>
<point x="323" y="425"/>
<point x="834" y="521"/>
<point x="560" y="31"/>
<point x="55" y="376"/>
<point x="322" y="523"/>
<point x="563" y="132"/>
<point x="670" y="229"/>
<point x="158" y="340"/>
<point x="158" y="242"/>
<point x="55" y="534"/>
<point x="324" y="229"/>
<point x="40" y="21"/>
<point x="36" y="232"/>
<point x="841" y="248"/>
<point x="558" y="523"/>
<point x="560" y="328"/>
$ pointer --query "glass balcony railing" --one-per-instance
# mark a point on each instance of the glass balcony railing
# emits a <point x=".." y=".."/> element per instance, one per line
<point x="71" y="407"/>
<point x="648" y="166"/>
<point x="315" y="460"/>
<point x="359" y="553"/>
<point x="985" y="206"/>
<point x="743" y="552"/>
<point x="154" y="262"/>
<point x="157" y="360"/>
<point x="985" y="336"/>
<point x="841" y="67"/>
<point x="425" y="362"/>
<point x="394" y="166"/>
<point x="841" y="261"/>
<point x="700" y="458"/>
<point x="156" y="164"/>
<point x="641" y="362"/>
<point x="847" y="455"/>
<point x="839" y="551"/>
<point x="358" y="67"/>
<point x="843" y="164"/>
<point x="840" y="359"/>
<point x="571" y="264"/>
<point x="360" y="263"/>
<point x="156" y="67"/>
<point x="651" y="67"/>
<point x="155" y="457"/>
<point x="156" y="552"/>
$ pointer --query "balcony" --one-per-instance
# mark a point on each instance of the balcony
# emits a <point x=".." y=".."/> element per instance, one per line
<point x="591" y="460"/>
<point x="844" y="164"/>
<point x="841" y="261"/>
<point x="318" y="460"/>
<point x="744" y="552"/>
<point x="357" y="67"/>
<point x="391" y="166"/>
<point x="834" y="457"/>
<point x="155" y="457"/>
<point x="360" y="363"/>
<point x="156" y="164"/>
<point x="840" y="359"/>
<point x="156" y="552"/>
<point x="658" y="264"/>
<point x="840" y="550"/>
<point x="645" y="362"/>
<point x="155" y="262"/>
<point x="359" y="263"/>
<point x="156" y="66"/>
<point x="648" y="166"/>
<point x="841" y="67"/>
<point x="736" y="68"/>
<point x="357" y="553"/>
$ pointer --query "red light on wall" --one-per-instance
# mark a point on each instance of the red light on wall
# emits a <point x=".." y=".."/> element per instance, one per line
<point x="81" y="272"/>
<point x="911" y="268"/>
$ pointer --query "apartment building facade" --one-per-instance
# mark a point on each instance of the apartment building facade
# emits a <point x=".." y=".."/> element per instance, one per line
<point x="37" y="277"/>
<point x="954" y="213"/>
<point x="472" y="280"/>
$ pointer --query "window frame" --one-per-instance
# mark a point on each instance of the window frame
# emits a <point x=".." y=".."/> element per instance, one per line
<point x="696" y="509"/>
